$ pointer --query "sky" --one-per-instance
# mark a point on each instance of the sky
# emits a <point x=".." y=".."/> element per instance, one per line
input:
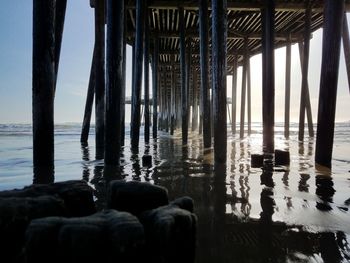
<point x="75" y="63"/>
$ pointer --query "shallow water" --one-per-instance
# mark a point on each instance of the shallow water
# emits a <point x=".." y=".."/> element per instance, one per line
<point x="288" y="214"/>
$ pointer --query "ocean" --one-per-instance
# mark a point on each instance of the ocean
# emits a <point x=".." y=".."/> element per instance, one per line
<point x="296" y="213"/>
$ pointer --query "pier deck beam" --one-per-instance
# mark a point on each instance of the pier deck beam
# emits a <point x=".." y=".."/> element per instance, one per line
<point x="183" y="69"/>
<point x="204" y="64"/>
<point x="100" y="77"/>
<point x="136" y="89"/>
<point x="43" y="84"/>
<point x="268" y="78"/>
<point x="333" y="20"/>
<point x="219" y="62"/>
<point x="114" y="87"/>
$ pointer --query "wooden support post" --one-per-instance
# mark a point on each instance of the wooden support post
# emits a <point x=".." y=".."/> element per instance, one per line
<point x="287" y="86"/>
<point x="136" y="89"/>
<point x="122" y="127"/>
<point x="346" y="46"/>
<point x="172" y="96"/>
<point x="333" y="20"/>
<point x="183" y="69"/>
<point x="249" y="97"/>
<point x="268" y="69"/>
<point x="307" y="96"/>
<point x="219" y="61"/>
<point x="188" y="77"/>
<point x="194" y="100"/>
<point x="155" y="87"/>
<point x="60" y="14"/>
<point x="115" y="48"/>
<point x="146" y="79"/>
<point x="244" y="88"/>
<point x="305" y="70"/>
<point x="89" y="101"/>
<point x="204" y="63"/>
<point x="234" y="94"/>
<point x="100" y="77"/>
<point x="43" y="83"/>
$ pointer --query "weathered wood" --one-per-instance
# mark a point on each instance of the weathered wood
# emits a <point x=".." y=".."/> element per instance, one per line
<point x="89" y="102"/>
<point x="60" y="14"/>
<point x="219" y="59"/>
<point x="333" y="20"/>
<point x="234" y="94"/>
<point x="194" y="101"/>
<point x="268" y="69"/>
<point x="146" y="78"/>
<point x="100" y="77"/>
<point x="305" y="70"/>
<point x="346" y="46"/>
<point x="204" y="64"/>
<point x="249" y="97"/>
<point x="115" y="47"/>
<point x="43" y="83"/>
<point x="287" y="90"/>
<point x="155" y="81"/>
<point x="122" y="126"/>
<point x="307" y="96"/>
<point x="136" y="89"/>
<point x="184" y="88"/>
<point x="244" y="88"/>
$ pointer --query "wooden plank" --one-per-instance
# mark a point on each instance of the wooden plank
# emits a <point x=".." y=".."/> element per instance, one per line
<point x="115" y="48"/>
<point x="331" y="42"/>
<point x="219" y="33"/>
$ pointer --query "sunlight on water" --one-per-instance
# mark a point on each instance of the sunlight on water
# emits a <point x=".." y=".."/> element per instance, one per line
<point x="296" y="213"/>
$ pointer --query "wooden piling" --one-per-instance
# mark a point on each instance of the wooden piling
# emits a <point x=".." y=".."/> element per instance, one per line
<point x="146" y="77"/>
<point x="60" y="14"/>
<point x="307" y="96"/>
<point x="219" y="61"/>
<point x="346" y="46"/>
<point x="183" y="70"/>
<point x="194" y="100"/>
<point x="43" y="83"/>
<point x="136" y="89"/>
<point x="172" y="96"/>
<point x="100" y="77"/>
<point x="287" y="88"/>
<point x="155" y="82"/>
<point x="332" y="28"/>
<point x="115" y="48"/>
<point x="268" y="69"/>
<point x="249" y="98"/>
<point x="204" y="63"/>
<point x="89" y="101"/>
<point x="305" y="70"/>
<point x="244" y="88"/>
<point x="122" y="127"/>
<point x="188" y="77"/>
<point x="234" y="94"/>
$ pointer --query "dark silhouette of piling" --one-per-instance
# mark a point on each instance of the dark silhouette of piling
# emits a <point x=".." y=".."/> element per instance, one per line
<point x="43" y="84"/>
<point x="333" y="21"/>
<point x="194" y="100"/>
<point x="244" y="87"/>
<point x="249" y="98"/>
<point x="146" y="78"/>
<point x="89" y="101"/>
<point x="136" y="89"/>
<point x="219" y="62"/>
<point x="234" y="93"/>
<point x="204" y="63"/>
<point x="100" y="77"/>
<point x="346" y="46"/>
<point x="268" y="78"/>
<point x="114" y="87"/>
<point x="155" y="87"/>
<point x="183" y="70"/>
<point x="287" y="87"/>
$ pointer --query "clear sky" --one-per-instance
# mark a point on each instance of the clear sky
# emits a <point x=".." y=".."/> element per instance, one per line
<point x="76" y="55"/>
